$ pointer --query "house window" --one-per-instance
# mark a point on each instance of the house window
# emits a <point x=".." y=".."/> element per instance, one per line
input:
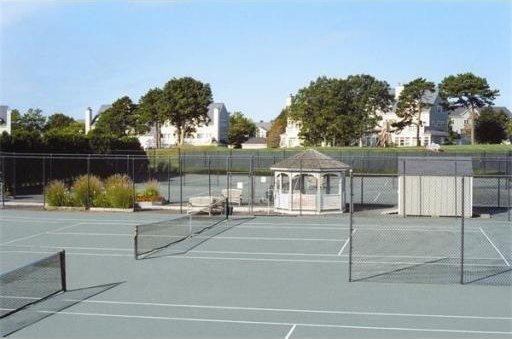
<point x="401" y="141"/>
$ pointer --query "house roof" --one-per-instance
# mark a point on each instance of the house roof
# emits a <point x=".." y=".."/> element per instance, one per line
<point x="102" y="109"/>
<point x="459" y="112"/>
<point x="435" y="166"/>
<point x="212" y="106"/>
<point x="310" y="161"/>
<point x="256" y="140"/>
<point x="3" y="113"/>
<point x="264" y="125"/>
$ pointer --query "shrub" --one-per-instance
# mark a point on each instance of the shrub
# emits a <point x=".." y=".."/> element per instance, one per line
<point x="151" y="192"/>
<point x="119" y="191"/>
<point x="101" y="200"/>
<point x="84" y="186"/>
<point x="57" y="194"/>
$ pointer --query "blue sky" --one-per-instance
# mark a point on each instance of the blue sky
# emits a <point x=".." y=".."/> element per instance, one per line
<point x="63" y="56"/>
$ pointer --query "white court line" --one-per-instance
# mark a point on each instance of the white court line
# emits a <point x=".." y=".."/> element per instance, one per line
<point x="86" y="221"/>
<point x="205" y="237"/>
<point x="39" y="234"/>
<point x="248" y="253"/>
<point x="346" y="243"/>
<point x="255" y="259"/>
<point x="289" y="334"/>
<point x="212" y="320"/>
<point x="496" y="248"/>
<point x="284" y="310"/>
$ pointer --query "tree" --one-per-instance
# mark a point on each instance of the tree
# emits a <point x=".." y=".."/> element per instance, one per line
<point x="491" y="126"/>
<point x="32" y="121"/>
<point x="277" y="128"/>
<point x="469" y="91"/>
<point x="452" y="135"/>
<point x="411" y="103"/>
<point x="240" y="129"/>
<point x="185" y="104"/>
<point x="369" y="96"/>
<point x="58" y="121"/>
<point x="120" y="119"/>
<point x="150" y="112"/>
<point x="339" y="111"/>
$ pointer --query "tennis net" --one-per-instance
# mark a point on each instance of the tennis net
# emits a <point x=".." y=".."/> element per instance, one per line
<point x="32" y="283"/>
<point x="156" y="236"/>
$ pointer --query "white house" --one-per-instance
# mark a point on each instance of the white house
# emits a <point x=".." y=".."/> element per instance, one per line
<point x="215" y="132"/>
<point x="255" y="143"/>
<point x="461" y="120"/>
<point x="433" y="129"/>
<point x="262" y="129"/>
<point x="290" y="137"/>
<point x="5" y="119"/>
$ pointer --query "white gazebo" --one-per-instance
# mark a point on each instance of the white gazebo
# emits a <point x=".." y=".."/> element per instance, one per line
<point x="309" y="183"/>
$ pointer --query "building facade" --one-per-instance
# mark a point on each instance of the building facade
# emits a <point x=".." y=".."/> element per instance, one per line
<point x="290" y="137"/>
<point x="5" y="119"/>
<point x="214" y="132"/>
<point x="461" y="123"/>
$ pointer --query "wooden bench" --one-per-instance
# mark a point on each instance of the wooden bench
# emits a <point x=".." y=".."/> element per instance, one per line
<point x="234" y="195"/>
<point x="208" y="204"/>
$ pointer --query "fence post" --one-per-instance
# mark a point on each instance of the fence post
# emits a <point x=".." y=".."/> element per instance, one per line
<point x="301" y="185"/>
<point x="351" y="225"/>
<point x="133" y="182"/>
<point x="44" y="183"/>
<point x="181" y="180"/>
<point x="462" y="234"/>
<point x="88" y="201"/>
<point x="402" y="189"/>
<point x="209" y="177"/>
<point x="251" y="181"/>
<point x="13" y="194"/>
<point x="169" y="179"/>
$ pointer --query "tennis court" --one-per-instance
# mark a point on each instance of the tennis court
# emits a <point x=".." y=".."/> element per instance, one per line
<point x="263" y="277"/>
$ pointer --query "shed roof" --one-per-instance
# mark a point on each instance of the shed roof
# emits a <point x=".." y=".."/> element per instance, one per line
<point x="256" y="141"/>
<point x="436" y="166"/>
<point x="310" y="161"/>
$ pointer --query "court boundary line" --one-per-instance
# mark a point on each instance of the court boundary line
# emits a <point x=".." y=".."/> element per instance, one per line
<point x="39" y="234"/>
<point x="346" y="243"/>
<point x="289" y="334"/>
<point x="246" y="252"/>
<point x="248" y="259"/>
<point x="284" y="310"/>
<point x="249" y="322"/>
<point x="496" y="248"/>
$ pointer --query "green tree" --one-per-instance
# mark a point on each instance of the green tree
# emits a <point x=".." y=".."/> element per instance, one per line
<point x="369" y="97"/>
<point x="119" y="120"/>
<point x="58" y="121"/>
<point x="185" y="104"/>
<point x="240" y="130"/>
<point x="469" y="91"/>
<point x="411" y="103"/>
<point x="452" y="135"/>
<point x="278" y="127"/>
<point x="151" y="113"/>
<point x="32" y="121"/>
<point x="491" y="126"/>
<point x="339" y="111"/>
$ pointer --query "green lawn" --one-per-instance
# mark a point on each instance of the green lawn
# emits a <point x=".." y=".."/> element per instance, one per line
<point x="446" y="148"/>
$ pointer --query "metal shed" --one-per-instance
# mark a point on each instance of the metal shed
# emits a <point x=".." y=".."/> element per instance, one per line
<point x="311" y="183"/>
<point x="440" y="186"/>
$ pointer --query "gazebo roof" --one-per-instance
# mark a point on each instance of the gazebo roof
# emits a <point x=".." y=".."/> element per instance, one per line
<point x="310" y="161"/>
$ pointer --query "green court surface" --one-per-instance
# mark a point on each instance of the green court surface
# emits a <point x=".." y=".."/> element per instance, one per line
<point x="266" y="277"/>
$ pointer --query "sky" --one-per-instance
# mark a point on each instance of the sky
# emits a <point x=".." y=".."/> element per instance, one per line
<point x="65" y="56"/>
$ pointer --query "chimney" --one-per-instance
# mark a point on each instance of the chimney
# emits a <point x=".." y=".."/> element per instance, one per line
<point x="398" y="90"/>
<point x="289" y="100"/>
<point x="88" y="119"/>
